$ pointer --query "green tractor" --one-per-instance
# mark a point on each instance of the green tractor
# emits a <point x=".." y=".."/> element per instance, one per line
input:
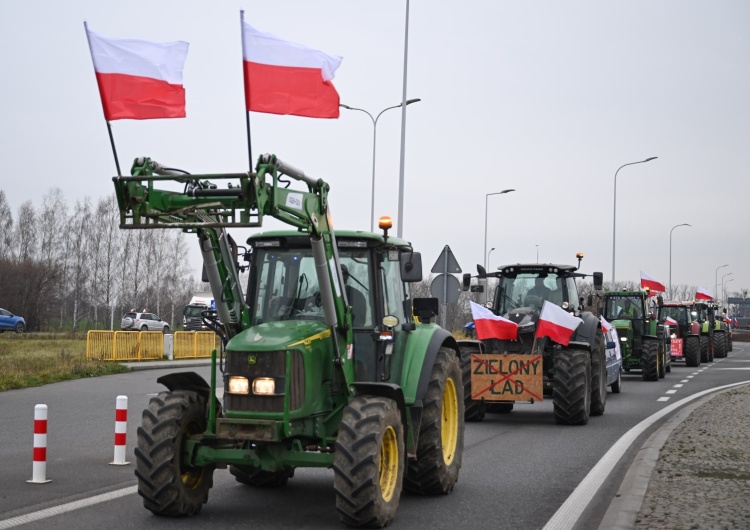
<point x="323" y="363"/>
<point x="642" y="339"/>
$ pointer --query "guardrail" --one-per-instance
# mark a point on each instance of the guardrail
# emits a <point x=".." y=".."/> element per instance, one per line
<point x="148" y="345"/>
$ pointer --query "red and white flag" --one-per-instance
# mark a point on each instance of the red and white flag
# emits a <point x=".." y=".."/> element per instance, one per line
<point x="606" y="326"/>
<point x="670" y="321"/>
<point x="703" y="294"/>
<point x="283" y="77"/>
<point x="488" y="325"/>
<point x="138" y="79"/>
<point x="556" y="323"/>
<point x="647" y="282"/>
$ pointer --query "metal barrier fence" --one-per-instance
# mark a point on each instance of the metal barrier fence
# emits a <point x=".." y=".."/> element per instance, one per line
<point x="125" y="345"/>
<point x="195" y="344"/>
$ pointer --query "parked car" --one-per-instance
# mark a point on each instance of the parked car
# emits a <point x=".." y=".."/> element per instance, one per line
<point x="9" y="321"/>
<point x="133" y="321"/>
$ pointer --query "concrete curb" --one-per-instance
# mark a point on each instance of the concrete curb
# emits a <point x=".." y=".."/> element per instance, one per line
<point x="164" y="365"/>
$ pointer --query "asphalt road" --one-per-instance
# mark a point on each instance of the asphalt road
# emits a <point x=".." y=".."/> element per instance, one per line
<point x="518" y="469"/>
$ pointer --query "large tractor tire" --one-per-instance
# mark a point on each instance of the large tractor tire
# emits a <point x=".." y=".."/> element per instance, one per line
<point x="729" y="342"/>
<point x="720" y="344"/>
<point x="662" y="359"/>
<point x="441" y="433"/>
<point x="473" y="410"/>
<point x="571" y="387"/>
<point x="692" y="351"/>
<point x="167" y="484"/>
<point x="599" y="377"/>
<point x="253" y="476"/>
<point x="704" y="348"/>
<point x="369" y="462"/>
<point x="650" y="360"/>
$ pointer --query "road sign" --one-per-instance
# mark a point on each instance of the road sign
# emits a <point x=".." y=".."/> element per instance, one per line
<point x="445" y="288"/>
<point x="446" y="263"/>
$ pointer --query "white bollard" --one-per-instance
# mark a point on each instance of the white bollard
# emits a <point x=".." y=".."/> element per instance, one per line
<point x="121" y="431"/>
<point x="39" y="472"/>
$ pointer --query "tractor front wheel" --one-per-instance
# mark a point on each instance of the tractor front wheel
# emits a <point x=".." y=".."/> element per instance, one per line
<point x="704" y="348"/>
<point x="692" y="351"/>
<point x="720" y="345"/>
<point x="169" y="486"/>
<point x="571" y="387"/>
<point x="662" y="359"/>
<point x="650" y="360"/>
<point x="599" y="373"/>
<point x="441" y="433"/>
<point x="369" y="462"/>
<point x="474" y="410"/>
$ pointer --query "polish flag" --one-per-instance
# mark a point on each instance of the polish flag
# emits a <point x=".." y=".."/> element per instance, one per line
<point x="670" y="321"/>
<point x="606" y="326"/>
<point x="556" y="323"/>
<point x="647" y="282"/>
<point x="703" y="294"/>
<point x="491" y="326"/>
<point x="138" y="79"/>
<point x="282" y="77"/>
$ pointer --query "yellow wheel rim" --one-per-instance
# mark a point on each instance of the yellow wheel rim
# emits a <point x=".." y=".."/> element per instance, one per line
<point x="449" y="427"/>
<point x="389" y="464"/>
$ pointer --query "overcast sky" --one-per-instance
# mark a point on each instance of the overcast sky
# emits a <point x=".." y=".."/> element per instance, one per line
<point x="547" y="97"/>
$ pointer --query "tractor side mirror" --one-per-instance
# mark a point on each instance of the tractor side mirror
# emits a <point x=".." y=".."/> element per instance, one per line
<point x="411" y="267"/>
<point x="482" y="273"/>
<point x="660" y="300"/>
<point x="590" y="300"/>
<point x="466" y="282"/>
<point x="204" y="275"/>
<point x="598" y="281"/>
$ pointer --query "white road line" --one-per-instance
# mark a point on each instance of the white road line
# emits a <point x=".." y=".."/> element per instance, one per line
<point x="69" y="507"/>
<point x="568" y="514"/>
<point x="671" y="392"/>
<point x="685" y="381"/>
<point x="663" y="398"/>
<point x="678" y="386"/>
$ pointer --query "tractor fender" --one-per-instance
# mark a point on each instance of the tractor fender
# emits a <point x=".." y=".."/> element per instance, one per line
<point x="585" y="334"/>
<point x="186" y="381"/>
<point x="395" y="393"/>
<point x="422" y="347"/>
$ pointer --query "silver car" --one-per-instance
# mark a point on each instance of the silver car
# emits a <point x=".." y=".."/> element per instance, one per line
<point x="143" y="322"/>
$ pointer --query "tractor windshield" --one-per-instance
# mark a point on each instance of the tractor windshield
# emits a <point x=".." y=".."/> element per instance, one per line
<point x="678" y="314"/>
<point x="283" y="285"/>
<point x="528" y="289"/>
<point x="620" y="307"/>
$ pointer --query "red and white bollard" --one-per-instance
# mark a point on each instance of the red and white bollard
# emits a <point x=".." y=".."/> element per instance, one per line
<point x="121" y="431"/>
<point x="39" y="472"/>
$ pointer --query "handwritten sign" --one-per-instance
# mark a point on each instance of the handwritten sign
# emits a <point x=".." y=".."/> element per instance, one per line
<point x="506" y="377"/>
<point x="675" y="347"/>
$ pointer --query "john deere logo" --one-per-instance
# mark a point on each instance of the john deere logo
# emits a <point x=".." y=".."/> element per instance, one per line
<point x="251" y="359"/>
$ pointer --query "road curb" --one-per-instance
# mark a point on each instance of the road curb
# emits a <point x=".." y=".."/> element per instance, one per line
<point x="163" y="365"/>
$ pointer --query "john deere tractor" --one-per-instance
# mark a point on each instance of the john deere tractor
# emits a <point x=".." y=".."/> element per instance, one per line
<point x="322" y="361"/>
<point x="573" y="370"/>
<point x="641" y="334"/>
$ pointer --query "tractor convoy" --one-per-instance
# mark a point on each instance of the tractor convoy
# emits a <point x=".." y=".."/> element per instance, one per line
<point x="323" y="363"/>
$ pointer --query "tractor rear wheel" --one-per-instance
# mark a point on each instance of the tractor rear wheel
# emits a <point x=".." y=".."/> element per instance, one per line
<point x="650" y="360"/>
<point x="168" y="485"/>
<point x="720" y="345"/>
<point x="474" y="410"/>
<point x="692" y="351"/>
<point x="441" y="441"/>
<point x="599" y="379"/>
<point x="571" y="387"/>
<point x="253" y="476"/>
<point x="369" y="462"/>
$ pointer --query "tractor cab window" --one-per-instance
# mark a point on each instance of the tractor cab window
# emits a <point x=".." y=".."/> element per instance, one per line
<point x="393" y="287"/>
<point x="623" y="307"/>
<point x="679" y="314"/>
<point x="528" y="289"/>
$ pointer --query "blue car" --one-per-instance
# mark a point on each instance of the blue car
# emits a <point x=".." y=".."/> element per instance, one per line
<point x="9" y="321"/>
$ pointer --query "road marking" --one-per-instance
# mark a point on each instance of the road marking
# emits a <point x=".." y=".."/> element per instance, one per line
<point x="690" y="376"/>
<point x="69" y="507"/>
<point x="568" y="514"/>
<point x="663" y="399"/>
<point x="685" y="381"/>
<point x="671" y="392"/>
<point x="678" y="386"/>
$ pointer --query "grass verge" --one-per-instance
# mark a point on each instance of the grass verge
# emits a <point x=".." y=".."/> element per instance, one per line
<point x="27" y="361"/>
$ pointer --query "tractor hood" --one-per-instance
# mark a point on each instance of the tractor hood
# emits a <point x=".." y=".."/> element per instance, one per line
<point x="278" y="335"/>
<point x="623" y="324"/>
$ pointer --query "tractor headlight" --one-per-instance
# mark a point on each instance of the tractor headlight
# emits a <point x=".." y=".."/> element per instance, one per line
<point x="239" y="385"/>
<point x="673" y="336"/>
<point x="623" y="339"/>
<point x="264" y="386"/>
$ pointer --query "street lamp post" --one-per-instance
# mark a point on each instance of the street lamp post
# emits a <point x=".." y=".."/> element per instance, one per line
<point x="374" y="138"/>
<point x="722" y="284"/>
<point x="670" y="256"/>
<point x="486" y="201"/>
<point x="488" y="256"/>
<point x="614" y="212"/>
<point x="722" y="288"/>
<point x="716" y="278"/>
<point x="400" y="225"/>
<point x="537" y="253"/>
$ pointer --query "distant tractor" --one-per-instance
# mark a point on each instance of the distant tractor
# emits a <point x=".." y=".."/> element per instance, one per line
<point x="684" y="336"/>
<point x="641" y="336"/>
<point x="500" y="373"/>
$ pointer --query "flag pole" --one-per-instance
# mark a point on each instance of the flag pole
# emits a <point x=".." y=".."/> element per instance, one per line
<point x="244" y="77"/>
<point x="109" y="127"/>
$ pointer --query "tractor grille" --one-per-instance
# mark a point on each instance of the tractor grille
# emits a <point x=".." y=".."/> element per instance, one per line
<point x="266" y="364"/>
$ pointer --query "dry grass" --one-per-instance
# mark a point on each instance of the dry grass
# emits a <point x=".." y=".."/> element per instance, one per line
<point x="30" y="360"/>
